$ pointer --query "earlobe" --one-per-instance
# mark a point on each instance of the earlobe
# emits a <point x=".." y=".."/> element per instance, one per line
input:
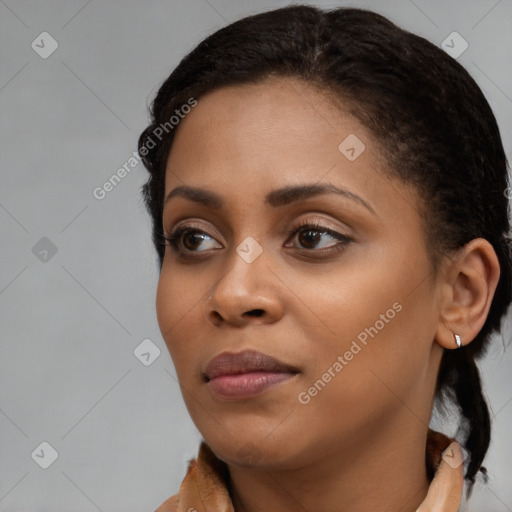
<point x="450" y="340"/>
<point x="471" y="281"/>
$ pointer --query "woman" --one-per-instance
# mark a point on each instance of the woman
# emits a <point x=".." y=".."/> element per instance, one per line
<point x="329" y="207"/>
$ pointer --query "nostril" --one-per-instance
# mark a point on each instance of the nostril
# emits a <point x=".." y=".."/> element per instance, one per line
<point x="255" y="312"/>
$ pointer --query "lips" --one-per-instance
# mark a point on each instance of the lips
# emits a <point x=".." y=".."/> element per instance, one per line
<point x="248" y="361"/>
<point x="245" y="375"/>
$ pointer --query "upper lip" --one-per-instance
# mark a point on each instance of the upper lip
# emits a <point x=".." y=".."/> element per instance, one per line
<point x="229" y="363"/>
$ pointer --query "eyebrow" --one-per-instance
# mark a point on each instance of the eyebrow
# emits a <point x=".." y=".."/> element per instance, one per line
<point x="275" y="198"/>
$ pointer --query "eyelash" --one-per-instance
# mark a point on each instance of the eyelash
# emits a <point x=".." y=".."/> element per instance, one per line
<point x="173" y="240"/>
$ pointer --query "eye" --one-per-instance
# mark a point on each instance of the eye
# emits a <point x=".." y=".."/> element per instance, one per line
<point x="185" y="240"/>
<point x="310" y="234"/>
<point x="188" y="237"/>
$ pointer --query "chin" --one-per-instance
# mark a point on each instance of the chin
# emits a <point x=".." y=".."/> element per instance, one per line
<point x="253" y="451"/>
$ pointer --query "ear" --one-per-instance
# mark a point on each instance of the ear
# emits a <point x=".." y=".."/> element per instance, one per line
<point x="468" y="287"/>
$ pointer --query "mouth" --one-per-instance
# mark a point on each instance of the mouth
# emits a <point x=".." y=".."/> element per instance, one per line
<point x="232" y="376"/>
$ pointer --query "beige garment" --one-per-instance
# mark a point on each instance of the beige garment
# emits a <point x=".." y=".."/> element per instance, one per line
<point x="204" y="487"/>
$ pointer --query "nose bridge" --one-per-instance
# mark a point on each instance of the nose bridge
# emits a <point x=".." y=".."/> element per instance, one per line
<point x="245" y="266"/>
<point x="244" y="287"/>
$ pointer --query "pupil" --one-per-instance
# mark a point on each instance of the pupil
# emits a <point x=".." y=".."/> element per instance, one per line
<point x="312" y="238"/>
<point x="191" y="236"/>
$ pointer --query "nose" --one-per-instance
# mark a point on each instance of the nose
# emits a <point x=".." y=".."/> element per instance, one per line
<point x="246" y="292"/>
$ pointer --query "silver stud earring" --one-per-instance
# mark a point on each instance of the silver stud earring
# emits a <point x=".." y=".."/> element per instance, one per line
<point x="458" y="341"/>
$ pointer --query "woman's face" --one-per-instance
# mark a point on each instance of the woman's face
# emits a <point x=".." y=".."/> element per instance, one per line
<point x="351" y="306"/>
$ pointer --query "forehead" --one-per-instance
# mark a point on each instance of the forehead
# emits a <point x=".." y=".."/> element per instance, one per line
<point x="281" y="128"/>
<point x="243" y="141"/>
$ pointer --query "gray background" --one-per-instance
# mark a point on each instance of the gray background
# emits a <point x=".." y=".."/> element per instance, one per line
<point x="71" y="323"/>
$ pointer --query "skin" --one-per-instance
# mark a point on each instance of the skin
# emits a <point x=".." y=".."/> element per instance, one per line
<point x="359" y="444"/>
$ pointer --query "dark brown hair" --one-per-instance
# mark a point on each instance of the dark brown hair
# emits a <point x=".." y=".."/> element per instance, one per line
<point x="429" y="118"/>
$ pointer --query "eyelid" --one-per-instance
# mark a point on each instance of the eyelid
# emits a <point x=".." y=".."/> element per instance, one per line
<point x="310" y="218"/>
<point x="322" y="221"/>
<point x="317" y="226"/>
<point x="192" y="225"/>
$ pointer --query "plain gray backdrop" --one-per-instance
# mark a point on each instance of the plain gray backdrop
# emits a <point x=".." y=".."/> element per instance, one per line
<point x="78" y="274"/>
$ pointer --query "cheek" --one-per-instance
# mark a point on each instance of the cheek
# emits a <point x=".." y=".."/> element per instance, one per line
<point x="333" y="308"/>
<point x="382" y="373"/>
<point x="177" y="303"/>
<point x="377" y="316"/>
<point x="167" y="307"/>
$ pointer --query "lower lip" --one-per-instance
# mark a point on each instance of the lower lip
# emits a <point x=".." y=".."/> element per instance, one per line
<point x="246" y="385"/>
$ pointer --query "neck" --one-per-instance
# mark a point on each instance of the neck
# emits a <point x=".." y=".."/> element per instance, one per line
<point x="385" y="471"/>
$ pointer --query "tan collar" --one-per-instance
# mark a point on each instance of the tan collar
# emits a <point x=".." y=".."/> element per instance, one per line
<point x="204" y="487"/>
